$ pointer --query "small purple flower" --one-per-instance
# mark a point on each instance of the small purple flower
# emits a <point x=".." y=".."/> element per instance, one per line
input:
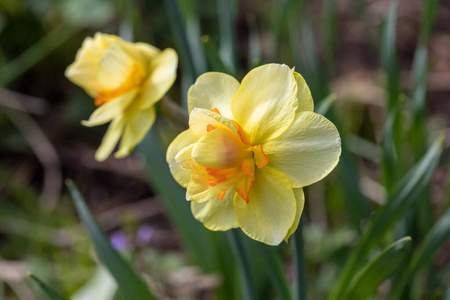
<point x="118" y="240"/>
<point x="144" y="234"/>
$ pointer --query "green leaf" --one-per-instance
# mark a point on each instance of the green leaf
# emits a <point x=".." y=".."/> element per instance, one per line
<point x="325" y="104"/>
<point x="405" y="195"/>
<point x="379" y="269"/>
<point x="228" y="49"/>
<point x="36" y="53"/>
<point x="130" y="284"/>
<point x="435" y="239"/>
<point x="176" y="21"/>
<point x="389" y="56"/>
<point x="274" y="269"/>
<point x="298" y="250"/>
<point x="213" y="57"/>
<point x="242" y="262"/>
<point x="50" y="292"/>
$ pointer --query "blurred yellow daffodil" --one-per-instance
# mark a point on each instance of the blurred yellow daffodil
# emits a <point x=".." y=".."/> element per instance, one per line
<point x="126" y="80"/>
<point x="249" y="150"/>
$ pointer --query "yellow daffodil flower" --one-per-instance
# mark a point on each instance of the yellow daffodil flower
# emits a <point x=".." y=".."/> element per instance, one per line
<point x="126" y="80"/>
<point x="249" y="150"/>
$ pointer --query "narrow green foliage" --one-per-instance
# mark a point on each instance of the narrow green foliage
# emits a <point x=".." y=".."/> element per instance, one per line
<point x="434" y="240"/>
<point x="173" y="196"/>
<point x="36" y="53"/>
<point x="405" y="195"/>
<point x="379" y="269"/>
<point x="179" y="32"/>
<point x="329" y="33"/>
<point x="213" y="57"/>
<point x="130" y="284"/>
<point x="50" y="292"/>
<point x="389" y="55"/>
<point x="298" y="250"/>
<point x="193" y="33"/>
<point x="325" y="104"/>
<point x="228" y="48"/>
<point x="254" y="44"/>
<point x="274" y="269"/>
<point x="242" y="260"/>
<point x="389" y="158"/>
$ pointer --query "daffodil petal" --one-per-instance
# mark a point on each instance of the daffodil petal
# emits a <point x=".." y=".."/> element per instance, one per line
<point x="115" y="68"/>
<point x="138" y="123"/>
<point x="110" y="110"/>
<point x="305" y="101"/>
<point x="200" y="118"/>
<point x="213" y="90"/>
<point x="199" y="189"/>
<point x="183" y="140"/>
<point x="162" y="75"/>
<point x="216" y="214"/>
<point x="271" y="209"/>
<point x="300" y="199"/>
<point x="266" y="102"/>
<point x="110" y="139"/>
<point x="307" y="151"/>
<point x="219" y="148"/>
<point x="83" y="71"/>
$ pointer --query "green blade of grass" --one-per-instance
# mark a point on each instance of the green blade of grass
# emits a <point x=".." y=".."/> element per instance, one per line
<point x="300" y="283"/>
<point x="228" y="48"/>
<point x="179" y="33"/>
<point x="435" y="239"/>
<point x="50" y="292"/>
<point x="254" y="43"/>
<point x="130" y="284"/>
<point x="379" y="269"/>
<point x="188" y="9"/>
<point x="405" y="196"/>
<point x="389" y="151"/>
<point x="213" y="57"/>
<point x="173" y="196"/>
<point x="35" y="53"/>
<point x="389" y="56"/>
<point x="242" y="260"/>
<point x="274" y="269"/>
<point x="329" y="33"/>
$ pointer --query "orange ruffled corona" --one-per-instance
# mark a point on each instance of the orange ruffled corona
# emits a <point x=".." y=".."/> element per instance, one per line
<point x="249" y="150"/>
<point x="126" y="80"/>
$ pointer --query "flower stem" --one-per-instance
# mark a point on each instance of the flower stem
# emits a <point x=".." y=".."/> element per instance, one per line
<point x="300" y="280"/>
<point x="242" y="262"/>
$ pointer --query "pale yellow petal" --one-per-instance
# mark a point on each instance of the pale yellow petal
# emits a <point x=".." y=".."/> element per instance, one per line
<point x="300" y="199"/>
<point x="110" y="110"/>
<point x="305" y="100"/>
<point x="199" y="190"/>
<point x="141" y="52"/>
<point x="162" y="73"/>
<point x="115" y="68"/>
<point x="271" y="209"/>
<point x="110" y="139"/>
<point x="183" y="140"/>
<point x="266" y="102"/>
<point x="216" y="214"/>
<point x="83" y="71"/>
<point x="213" y="90"/>
<point x="307" y="151"/>
<point x="185" y="161"/>
<point x="219" y="148"/>
<point x="138" y="123"/>
<point x="200" y="118"/>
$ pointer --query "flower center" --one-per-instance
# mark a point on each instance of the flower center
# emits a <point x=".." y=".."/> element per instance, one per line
<point x="133" y="79"/>
<point x="228" y="156"/>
